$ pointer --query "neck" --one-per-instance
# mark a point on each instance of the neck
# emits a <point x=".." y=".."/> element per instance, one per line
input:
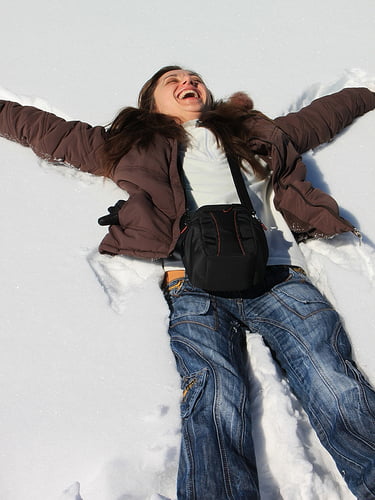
<point x="187" y="117"/>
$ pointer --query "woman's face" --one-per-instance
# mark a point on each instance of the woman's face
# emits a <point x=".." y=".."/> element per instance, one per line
<point x="180" y="94"/>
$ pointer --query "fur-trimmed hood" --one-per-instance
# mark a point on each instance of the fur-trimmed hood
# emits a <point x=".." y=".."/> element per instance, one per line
<point x="241" y="100"/>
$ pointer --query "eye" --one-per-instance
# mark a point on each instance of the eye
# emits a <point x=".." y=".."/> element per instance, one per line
<point x="198" y="81"/>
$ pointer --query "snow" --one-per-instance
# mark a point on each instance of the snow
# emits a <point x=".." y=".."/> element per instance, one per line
<point x="89" y="390"/>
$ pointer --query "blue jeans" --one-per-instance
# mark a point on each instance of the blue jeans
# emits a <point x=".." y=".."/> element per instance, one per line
<point x="208" y="340"/>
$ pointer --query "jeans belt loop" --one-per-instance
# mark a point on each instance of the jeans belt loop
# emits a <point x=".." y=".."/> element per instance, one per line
<point x="298" y="269"/>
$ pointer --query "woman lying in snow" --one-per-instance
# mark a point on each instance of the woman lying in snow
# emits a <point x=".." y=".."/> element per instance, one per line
<point x="171" y="155"/>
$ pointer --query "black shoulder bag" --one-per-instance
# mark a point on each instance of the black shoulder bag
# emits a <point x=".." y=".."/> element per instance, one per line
<point x="224" y="247"/>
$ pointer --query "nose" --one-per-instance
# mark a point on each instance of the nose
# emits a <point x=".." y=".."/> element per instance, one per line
<point x="189" y="80"/>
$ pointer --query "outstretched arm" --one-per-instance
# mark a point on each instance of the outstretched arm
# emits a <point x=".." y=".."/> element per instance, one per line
<point x="53" y="138"/>
<point x="325" y="117"/>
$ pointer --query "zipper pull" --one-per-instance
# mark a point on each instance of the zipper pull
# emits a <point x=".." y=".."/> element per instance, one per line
<point x="254" y="214"/>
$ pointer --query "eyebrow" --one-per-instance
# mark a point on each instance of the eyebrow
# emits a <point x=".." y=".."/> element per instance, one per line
<point x="191" y="73"/>
<point x="169" y="76"/>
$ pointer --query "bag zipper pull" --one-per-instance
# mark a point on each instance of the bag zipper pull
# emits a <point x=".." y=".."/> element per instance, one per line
<point x="254" y="214"/>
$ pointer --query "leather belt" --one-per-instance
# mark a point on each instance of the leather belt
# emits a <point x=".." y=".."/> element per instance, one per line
<point x="298" y="269"/>
<point x="173" y="275"/>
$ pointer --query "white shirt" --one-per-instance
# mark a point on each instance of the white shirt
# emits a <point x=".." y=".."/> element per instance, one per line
<point x="208" y="181"/>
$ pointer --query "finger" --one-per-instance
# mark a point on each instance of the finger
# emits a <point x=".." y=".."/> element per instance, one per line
<point x="108" y="220"/>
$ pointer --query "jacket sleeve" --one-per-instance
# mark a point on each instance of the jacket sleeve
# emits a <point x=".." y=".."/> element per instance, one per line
<point x="325" y="117"/>
<point x="53" y="138"/>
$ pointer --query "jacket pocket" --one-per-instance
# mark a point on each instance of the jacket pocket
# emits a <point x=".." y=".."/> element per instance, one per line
<point x="192" y="388"/>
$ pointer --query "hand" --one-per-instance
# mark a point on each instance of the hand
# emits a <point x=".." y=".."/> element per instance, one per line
<point x="112" y="217"/>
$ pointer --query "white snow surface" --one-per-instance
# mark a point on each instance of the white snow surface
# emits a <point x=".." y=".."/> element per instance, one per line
<point x="89" y="391"/>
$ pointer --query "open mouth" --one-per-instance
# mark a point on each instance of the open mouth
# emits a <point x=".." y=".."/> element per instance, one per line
<point x="188" y="94"/>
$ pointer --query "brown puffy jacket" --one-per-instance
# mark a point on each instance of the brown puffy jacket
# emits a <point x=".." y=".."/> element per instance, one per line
<point x="149" y="220"/>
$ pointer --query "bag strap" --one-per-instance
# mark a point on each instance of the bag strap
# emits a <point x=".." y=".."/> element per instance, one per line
<point x="239" y="182"/>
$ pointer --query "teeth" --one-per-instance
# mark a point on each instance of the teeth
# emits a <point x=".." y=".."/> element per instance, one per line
<point x="188" y="93"/>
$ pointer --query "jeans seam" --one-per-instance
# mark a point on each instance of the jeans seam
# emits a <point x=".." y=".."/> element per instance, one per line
<point x="214" y="328"/>
<point x="181" y="360"/>
<point x="354" y="372"/>
<point x="224" y="461"/>
<point x="351" y="370"/>
<point x="234" y="333"/>
<point x="301" y="316"/>
<point x="190" y="486"/>
<point x="328" y="386"/>
<point x="337" y="351"/>
<point x="181" y="322"/>
<point x="243" y="422"/>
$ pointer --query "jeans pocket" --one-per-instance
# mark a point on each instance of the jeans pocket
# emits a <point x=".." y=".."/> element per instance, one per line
<point x="301" y="297"/>
<point x="192" y="387"/>
<point x="189" y="306"/>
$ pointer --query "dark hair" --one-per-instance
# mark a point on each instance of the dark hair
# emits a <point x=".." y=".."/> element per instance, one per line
<point x="138" y="127"/>
<point x="146" y="95"/>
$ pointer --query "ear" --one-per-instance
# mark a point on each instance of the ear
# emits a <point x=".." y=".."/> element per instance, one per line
<point x="241" y="100"/>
